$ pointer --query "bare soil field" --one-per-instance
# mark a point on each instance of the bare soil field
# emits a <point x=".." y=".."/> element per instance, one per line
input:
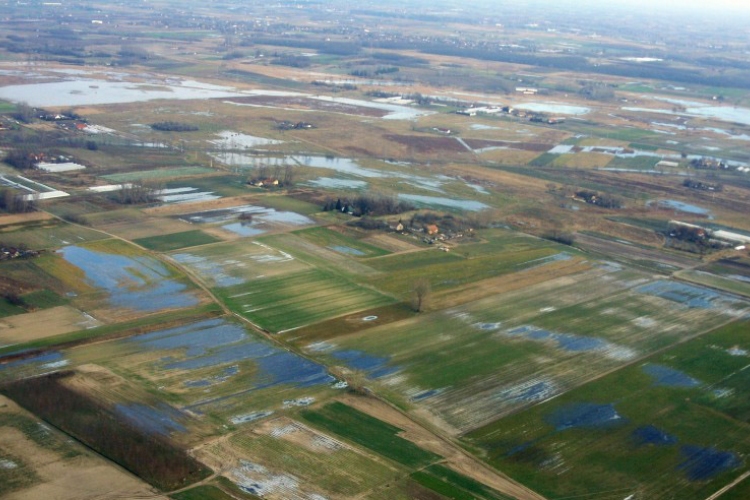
<point x="42" y="324"/>
<point x="20" y="219"/>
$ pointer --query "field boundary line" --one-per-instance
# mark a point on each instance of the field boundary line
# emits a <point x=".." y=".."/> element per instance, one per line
<point x="729" y="486"/>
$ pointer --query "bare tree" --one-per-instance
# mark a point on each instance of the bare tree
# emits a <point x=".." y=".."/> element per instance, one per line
<point x="421" y="292"/>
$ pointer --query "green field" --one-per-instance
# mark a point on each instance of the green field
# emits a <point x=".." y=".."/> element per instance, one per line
<point x="453" y="485"/>
<point x="299" y="299"/>
<point x="158" y="174"/>
<point x="175" y="241"/>
<point x="635" y="163"/>
<point x="369" y="432"/>
<point x="681" y="435"/>
<point x="204" y="492"/>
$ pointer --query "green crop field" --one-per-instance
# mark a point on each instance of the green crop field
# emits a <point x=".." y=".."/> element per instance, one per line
<point x="453" y="485"/>
<point x="204" y="492"/>
<point x="675" y="424"/>
<point x="175" y="241"/>
<point x="298" y="299"/>
<point x="449" y="270"/>
<point x="369" y="432"/>
<point x="635" y="163"/>
<point x="159" y="174"/>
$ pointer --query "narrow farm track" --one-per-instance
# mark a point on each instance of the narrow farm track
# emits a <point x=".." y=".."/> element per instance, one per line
<point x="729" y="486"/>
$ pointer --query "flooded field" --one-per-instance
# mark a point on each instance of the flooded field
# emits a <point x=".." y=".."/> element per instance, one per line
<point x="139" y="283"/>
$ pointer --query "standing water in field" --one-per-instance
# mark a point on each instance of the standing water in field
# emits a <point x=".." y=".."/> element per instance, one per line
<point x="140" y="283"/>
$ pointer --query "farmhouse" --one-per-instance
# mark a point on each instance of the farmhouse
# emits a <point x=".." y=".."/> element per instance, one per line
<point x="431" y="229"/>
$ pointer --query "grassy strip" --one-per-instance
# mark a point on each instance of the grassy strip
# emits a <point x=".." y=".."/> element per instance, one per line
<point x="453" y="484"/>
<point x="135" y="327"/>
<point x="175" y="241"/>
<point x="369" y="432"/>
<point x="543" y="159"/>
<point x="203" y="492"/>
<point x="151" y="457"/>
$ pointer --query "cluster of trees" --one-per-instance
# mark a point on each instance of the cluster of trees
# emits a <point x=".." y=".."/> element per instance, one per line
<point x="702" y="186"/>
<point x="170" y="126"/>
<point x="563" y="237"/>
<point x="597" y="91"/>
<point x="366" y="73"/>
<point x="284" y="174"/>
<point x="447" y="223"/>
<point x="364" y="205"/>
<point x="20" y="159"/>
<point x="293" y="61"/>
<point x="599" y="199"/>
<point x="150" y="456"/>
<point x="13" y="202"/>
<point x="136" y="193"/>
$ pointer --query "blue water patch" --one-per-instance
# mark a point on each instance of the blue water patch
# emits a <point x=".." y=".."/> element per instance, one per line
<point x="565" y="341"/>
<point x="197" y="338"/>
<point x="689" y="295"/>
<point x="347" y="250"/>
<point x="683" y="207"/>
<point x="704" y="463"/>
<point x="375" y="366"/>
<point x="138" y="283"/>
<point x="47" y="357"/>
<point x="584" y="416"/>
<point x="217" y="342"/>
<point x="663" y="375"/>
<point x="243" y="229"/>
<point x="162" y="419"/>
<point x="650" y="434"/>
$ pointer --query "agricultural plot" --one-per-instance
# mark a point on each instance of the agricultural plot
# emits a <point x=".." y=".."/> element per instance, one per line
<point x="471" y="364"/>
<point x="451" y="270"/>
<point x="248" y="220"/>
<point x="369" y="432"/>
<point x="48" y="234"/>
<point x="210" y="367"/>
<point x="176" y="241"/>
<point x="235" y="263"/>
<point x="111" y="279"/>
<point x="340" y="242"/>
<point x="674" y="425"/>
<point x="36" y="325"/>
<point x="293" y="300"/>
<point x="158" y="174"/>
<point x="284" y="458"/>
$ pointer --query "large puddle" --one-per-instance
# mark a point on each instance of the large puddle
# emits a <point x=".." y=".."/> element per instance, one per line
<point x="555" y="108"/>
<point x="469" y="205"/>
<point x="139" y="283"/>
<point x="218" y="343"/>
<point x="89" y="91"/>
